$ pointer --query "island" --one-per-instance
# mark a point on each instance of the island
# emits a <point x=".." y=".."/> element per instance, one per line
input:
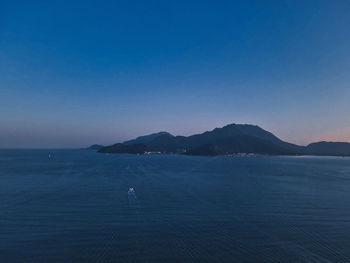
<point x="94" y="147"/>
<point x="232" y="139"/>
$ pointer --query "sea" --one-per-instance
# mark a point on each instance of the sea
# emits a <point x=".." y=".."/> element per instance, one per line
<point x="83" y="206"/>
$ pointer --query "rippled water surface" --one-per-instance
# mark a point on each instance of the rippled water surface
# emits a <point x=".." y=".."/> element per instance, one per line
<point x="75" y="206"/>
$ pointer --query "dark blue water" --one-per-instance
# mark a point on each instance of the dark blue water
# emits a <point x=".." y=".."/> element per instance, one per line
<point x="75" y="207"/>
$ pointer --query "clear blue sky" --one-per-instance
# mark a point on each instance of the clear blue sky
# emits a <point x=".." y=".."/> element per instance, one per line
<point x="73" y="74"/>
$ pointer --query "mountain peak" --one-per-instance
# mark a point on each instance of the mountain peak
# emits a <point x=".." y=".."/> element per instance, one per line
<point x="95" y="147"/>
<point x="147" y="138"/>
<point x="230" y="139"/>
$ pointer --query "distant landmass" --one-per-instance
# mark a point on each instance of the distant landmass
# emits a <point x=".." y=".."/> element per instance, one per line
<point x="231" y="139"/>
<point x="329" y="148"/>
<point x="146" y="139"/>
<point x="95" y="147"/>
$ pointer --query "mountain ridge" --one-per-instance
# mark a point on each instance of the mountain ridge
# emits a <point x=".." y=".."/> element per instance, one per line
<point x="95" y="147"/>
<point x="227" y="140"/>
<point x="146" y="138"/>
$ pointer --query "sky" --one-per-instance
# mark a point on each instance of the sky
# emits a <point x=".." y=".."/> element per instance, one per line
<point x="75" y="73"/>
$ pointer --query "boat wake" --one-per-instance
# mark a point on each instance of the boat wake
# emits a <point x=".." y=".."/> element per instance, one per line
<point x="132" y="196"/>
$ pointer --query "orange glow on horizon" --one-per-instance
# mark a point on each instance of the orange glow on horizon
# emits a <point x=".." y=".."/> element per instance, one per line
<point x="340" y="135"/>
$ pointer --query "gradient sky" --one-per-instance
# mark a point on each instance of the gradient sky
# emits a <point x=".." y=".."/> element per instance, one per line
<point x="73" y="74"/>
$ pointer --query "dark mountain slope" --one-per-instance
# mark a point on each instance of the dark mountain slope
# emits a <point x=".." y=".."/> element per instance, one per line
<point x="233" y="138"/>
<point x="241" y="144"/>
<point x="166" y="143"/>
<point x="95" y="147"/>
<point x="146" y="138"/>
<point x="328" y="148"/>
<point x="230" y="139"/>
<point x="138" y="148"/>
<point x="206" y="150"/>
<point x="232" y="130"/>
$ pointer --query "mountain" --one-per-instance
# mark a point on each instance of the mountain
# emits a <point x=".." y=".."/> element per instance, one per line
<point x="328" y="148"/>
<point x="206" y="150"/>
<point x="230" y="139"/>
<point x="229" y="133"/>
<point x="95" y="147"/>
<point x="146" y="138"/>
<point x="138" y="148"/>
<point x="242" y="143"/>
<point x="166" y="143"/>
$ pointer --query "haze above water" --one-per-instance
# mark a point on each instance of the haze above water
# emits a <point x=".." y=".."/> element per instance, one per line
<point x="74" y="206"/>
